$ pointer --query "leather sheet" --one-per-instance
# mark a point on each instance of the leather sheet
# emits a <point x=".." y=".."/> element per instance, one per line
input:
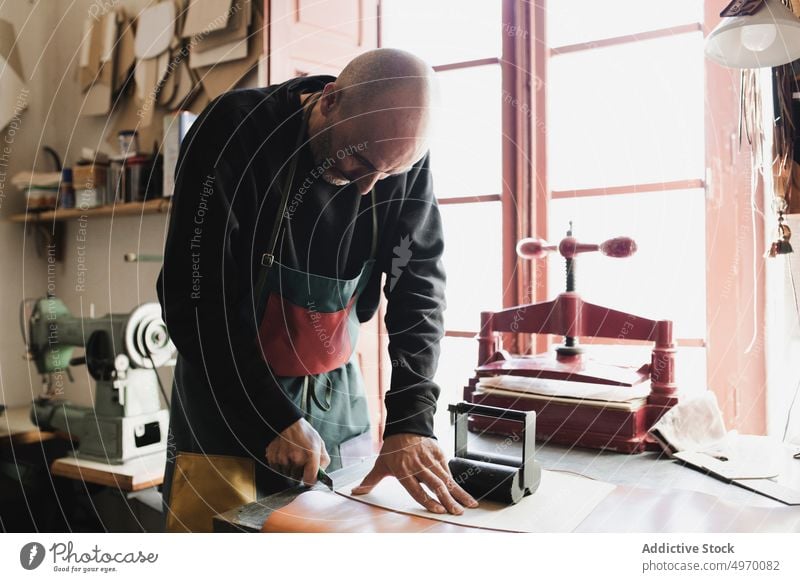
<point x="626" y="509"/>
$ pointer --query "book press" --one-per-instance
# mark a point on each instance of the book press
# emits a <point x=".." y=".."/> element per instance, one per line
<point x="122" y="353"/>
<point x="569" y="398"/>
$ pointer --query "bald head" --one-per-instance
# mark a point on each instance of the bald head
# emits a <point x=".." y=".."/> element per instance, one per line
<point x="378" y="113"/>
<point x="386" y="77"/>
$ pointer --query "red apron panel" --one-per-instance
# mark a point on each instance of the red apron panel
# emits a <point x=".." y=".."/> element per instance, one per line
<point x="299" y="342"/>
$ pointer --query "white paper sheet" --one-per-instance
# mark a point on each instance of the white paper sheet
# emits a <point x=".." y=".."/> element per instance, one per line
<point x="564" y="389"/>
<point x="744" y="456"/>
<point x="561" y="503"/>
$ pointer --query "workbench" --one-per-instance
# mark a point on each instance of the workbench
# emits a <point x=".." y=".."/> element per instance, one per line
<point x="134" y="475"/>
<point x="92" y="496"/>
<point x="654" y="494"/>
<point x="16" y="428"/>
<point x="128" y="498"/>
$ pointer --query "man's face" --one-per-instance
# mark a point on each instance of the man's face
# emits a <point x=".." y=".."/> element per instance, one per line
<point x="363" y="146"/>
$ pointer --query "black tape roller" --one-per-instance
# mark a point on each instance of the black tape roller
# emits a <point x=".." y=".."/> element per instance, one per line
<point x="497" y="478"/>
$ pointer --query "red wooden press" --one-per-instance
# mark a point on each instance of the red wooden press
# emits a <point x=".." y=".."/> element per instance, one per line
<point x="566" y="420"/>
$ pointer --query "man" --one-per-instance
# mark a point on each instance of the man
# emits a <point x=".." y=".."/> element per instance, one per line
<point x="290" y="203"/>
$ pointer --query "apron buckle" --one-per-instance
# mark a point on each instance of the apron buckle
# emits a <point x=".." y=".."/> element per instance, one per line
<point x="267" y="259"/>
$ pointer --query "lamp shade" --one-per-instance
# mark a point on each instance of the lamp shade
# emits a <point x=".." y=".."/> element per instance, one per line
<point x="768" y="38"/>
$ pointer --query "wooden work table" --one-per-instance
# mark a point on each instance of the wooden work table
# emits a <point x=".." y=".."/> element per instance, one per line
<point x="134" y="475"/>
<point x="17" y="429"/>
<point x="654" y="493"/>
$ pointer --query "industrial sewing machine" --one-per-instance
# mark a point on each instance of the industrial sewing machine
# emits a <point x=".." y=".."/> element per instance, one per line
<point x="578" y="401"/>
<point x="122" y="352"/>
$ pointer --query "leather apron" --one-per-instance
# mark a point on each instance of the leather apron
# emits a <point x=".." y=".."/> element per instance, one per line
<point x="307" y="333"/>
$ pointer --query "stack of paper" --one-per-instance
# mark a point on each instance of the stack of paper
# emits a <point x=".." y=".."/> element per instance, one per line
<point x="568" y="392"/>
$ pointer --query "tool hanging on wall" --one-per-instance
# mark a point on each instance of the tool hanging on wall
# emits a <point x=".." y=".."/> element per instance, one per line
<point x="782" y="246"/>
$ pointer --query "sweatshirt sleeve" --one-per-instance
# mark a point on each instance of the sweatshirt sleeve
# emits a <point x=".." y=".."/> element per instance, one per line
<point x="200" y="285"/>
<point x="415" y="292"/>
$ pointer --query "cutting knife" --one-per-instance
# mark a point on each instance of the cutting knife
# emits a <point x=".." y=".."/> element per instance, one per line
<point x="325" y="479"/>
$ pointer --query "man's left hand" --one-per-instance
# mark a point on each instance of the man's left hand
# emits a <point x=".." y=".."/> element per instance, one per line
<point x="414" y="460"/>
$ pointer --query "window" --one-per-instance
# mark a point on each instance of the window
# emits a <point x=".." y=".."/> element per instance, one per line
<point x="618" y="148"/>
<point x="462" y="40"/>
<point x="625" y="147"/>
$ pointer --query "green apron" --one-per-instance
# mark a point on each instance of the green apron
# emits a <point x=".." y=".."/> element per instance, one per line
<point x="307" y="333"/>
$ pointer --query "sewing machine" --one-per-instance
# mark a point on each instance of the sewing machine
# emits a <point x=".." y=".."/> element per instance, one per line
<point x="578" y="400"/>
<point x="122" y="352"/>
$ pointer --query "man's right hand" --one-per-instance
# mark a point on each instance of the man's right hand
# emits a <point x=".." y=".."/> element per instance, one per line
<point x="298" y="452"/>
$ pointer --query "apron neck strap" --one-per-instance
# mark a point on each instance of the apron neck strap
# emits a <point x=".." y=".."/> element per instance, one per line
<point x="374" y="246"/>
<point x="269" y="257"/>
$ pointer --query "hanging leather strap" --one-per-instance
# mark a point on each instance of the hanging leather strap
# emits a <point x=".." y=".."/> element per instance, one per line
<point x="308" y="395"/>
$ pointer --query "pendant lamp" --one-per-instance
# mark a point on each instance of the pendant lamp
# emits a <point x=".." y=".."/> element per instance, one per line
<point x="768" y="38"/>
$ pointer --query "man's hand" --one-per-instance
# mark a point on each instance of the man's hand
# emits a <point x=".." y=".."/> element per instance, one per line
<point x="415" y="460"/>
<point x="298" y="451"/>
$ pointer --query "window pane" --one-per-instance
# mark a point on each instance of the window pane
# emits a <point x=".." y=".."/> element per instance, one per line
<point x="665" y="279"/>
<point x="628" y="114"/>
<point x="578" y="21"/>
<point x="473" y="260"/>
<point x="466" y="150"/>
<point x="457" y="363"/>
<point x="444" y="31"/>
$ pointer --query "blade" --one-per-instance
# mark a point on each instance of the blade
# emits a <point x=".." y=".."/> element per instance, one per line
<point x="325" y="479"/>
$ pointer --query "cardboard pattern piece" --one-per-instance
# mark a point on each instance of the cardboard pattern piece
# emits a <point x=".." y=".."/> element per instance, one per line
<point x="87" y="68"/>
<point x="105" y="61"/>
<point x="222" y="77"/>
<point x="155" y="30"/>
<point x="11" y="77"/>
<point x="186" y="86"/>
<point x="154" y="38"/>
<point x="126" y="56"/>
<point x="227" y="52"/>
<point x="205" y="16"/>
<point x="8" y="46"/>
<point x="240" y="19"/>
<point x="167" y="85"/>
<point x="97" y="95"/>
<point x="160" y="63"/>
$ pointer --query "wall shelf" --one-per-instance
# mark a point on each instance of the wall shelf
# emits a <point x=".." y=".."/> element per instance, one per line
<point x="155" y="206"/>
